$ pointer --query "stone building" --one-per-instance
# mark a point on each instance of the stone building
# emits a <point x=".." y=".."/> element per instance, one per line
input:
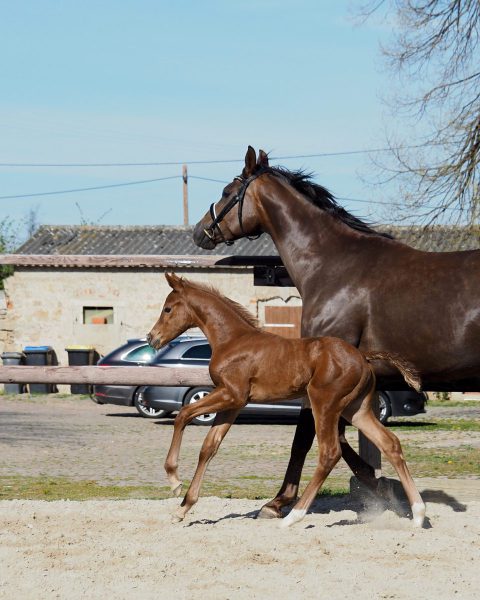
<point x="48" y="303"/>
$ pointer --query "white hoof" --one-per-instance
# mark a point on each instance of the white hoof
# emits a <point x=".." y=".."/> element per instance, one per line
<point x="294" y="516"/>
<point x="177" y="489"/>
<point x="418" y="513"/>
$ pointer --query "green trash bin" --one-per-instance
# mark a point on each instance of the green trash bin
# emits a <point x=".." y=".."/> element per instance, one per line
<point x="9" y="359"/>
<point x="41" y="356"/>
<point x="80" y="356"/>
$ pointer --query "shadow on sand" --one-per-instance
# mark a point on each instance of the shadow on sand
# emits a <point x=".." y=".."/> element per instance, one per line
<point x="367" y="505"/>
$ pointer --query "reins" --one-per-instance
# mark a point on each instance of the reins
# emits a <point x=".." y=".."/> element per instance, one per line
<point x="237" y="199"/>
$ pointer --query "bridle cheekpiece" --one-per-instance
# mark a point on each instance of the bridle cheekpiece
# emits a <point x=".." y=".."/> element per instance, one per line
<point x="237" y="199"/>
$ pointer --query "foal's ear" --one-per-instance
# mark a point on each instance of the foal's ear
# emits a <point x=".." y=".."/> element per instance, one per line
<point x="250" y="162"/>
<point x="174" y="281"/>
<point x="262" y="159"/>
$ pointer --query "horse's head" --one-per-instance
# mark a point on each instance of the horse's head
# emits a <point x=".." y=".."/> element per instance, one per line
<point x="234" y="215"/>
<point x="175" y="317"/>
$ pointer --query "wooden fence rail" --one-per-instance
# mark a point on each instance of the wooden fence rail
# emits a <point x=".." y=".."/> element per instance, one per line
<point x="169" y="376"/>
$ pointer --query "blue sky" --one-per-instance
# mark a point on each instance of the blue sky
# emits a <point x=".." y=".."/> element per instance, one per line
<point x="155" y="81"/>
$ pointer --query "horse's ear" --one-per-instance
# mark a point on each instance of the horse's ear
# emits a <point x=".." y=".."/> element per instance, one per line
<point x="262" y="159"/>
<point x="250" y="162"/>
<point x="174" y="281"/>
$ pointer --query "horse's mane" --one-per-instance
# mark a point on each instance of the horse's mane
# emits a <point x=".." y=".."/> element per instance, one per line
<point x="240" y="310"/>
<point x="322" y="198"/>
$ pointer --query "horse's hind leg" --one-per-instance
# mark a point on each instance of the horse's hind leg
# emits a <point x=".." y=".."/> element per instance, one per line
<point x="213" y="439"/>
<point x="388" y="443"/>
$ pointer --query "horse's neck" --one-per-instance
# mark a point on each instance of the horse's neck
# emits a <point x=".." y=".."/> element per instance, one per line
<point x="217" y="319"/>
<point x="309" y="240"/>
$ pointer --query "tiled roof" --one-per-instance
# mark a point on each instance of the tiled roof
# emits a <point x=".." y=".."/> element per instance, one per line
<point x="158" y="240"/>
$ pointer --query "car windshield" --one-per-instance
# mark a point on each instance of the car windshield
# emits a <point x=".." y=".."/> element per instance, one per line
<point x="141" y="354"/>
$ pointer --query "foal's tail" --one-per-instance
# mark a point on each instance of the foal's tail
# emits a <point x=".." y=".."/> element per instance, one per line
<point x="410" y="374"/>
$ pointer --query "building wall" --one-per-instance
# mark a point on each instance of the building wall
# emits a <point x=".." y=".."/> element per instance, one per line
<point x="45" y="306"/>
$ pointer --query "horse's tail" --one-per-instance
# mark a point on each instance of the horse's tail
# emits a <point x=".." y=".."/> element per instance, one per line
<point x="410" y="374"/>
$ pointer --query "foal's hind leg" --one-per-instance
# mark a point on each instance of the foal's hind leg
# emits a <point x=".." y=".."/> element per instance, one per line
<point x="213" y="439"/>
<point x="388" y="443"/>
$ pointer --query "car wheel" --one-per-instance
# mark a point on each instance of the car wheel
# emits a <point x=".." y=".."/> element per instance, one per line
<point x="194" y="395"/>
<point x="385" y="408"/>
<point x="146" y="411"/>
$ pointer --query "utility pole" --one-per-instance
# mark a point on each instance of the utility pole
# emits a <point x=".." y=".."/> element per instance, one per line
<point x="185" y="194"/>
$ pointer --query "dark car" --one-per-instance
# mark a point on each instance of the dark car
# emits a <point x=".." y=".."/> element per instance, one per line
<point x="194" y="351"/>
<point x="197" y="352"/>
<point x="134" y="352"/>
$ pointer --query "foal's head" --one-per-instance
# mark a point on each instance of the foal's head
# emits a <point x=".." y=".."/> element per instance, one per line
<point x="175" y="318"/>
<point x="234" y="215"/>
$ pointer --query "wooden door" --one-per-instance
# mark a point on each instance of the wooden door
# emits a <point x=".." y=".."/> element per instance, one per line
<point x="283" y="320"/>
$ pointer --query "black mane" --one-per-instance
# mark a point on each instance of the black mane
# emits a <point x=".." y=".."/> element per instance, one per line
<point x="322" y="198"/>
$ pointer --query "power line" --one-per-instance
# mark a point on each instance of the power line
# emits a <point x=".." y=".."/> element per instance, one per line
<point x="86" y="189"/>
<point x="213" y="161"/>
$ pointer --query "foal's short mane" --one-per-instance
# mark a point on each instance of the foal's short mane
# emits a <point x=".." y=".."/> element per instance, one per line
<point x="240" y="310"/>
<point x="322" y="198"/>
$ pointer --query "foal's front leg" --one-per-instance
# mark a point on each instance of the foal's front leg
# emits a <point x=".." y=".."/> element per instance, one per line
<point x="219" y="399"/>
<point x="213" y="439"/>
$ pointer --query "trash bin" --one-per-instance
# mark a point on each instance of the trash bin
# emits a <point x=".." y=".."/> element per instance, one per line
<point x="9" y="359"/>
<point x="40" y="356"/>
<point x="81" y="356"/>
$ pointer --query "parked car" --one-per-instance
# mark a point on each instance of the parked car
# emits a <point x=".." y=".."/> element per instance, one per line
<point x="133" y="352"/>
<point x="194" y="351"/>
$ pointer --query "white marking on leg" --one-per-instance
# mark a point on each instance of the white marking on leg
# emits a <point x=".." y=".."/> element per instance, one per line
<point x="418" y="512"/>
<point x="294" y="516"/>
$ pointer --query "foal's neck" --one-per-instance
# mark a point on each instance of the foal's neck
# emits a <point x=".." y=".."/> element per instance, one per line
<point x="217" y="318"/>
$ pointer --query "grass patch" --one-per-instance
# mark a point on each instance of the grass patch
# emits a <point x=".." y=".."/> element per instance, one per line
<point x="454" y="403"/>
<point x="460" y="461"/>
<point x="60" y="488"/>
<point x="436" y="425"/>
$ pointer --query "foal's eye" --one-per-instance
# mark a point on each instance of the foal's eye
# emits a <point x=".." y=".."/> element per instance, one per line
<point x="167" y="309"/>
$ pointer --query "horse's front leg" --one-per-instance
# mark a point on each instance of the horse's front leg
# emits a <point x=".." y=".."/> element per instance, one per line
<point x="219" y="399"/>
<point x="214" y="438"/>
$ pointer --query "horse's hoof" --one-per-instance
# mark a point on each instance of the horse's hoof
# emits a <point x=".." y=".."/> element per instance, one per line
<point x="418" y="514"/>
<point x="176" y="519"/>
<point x="294" y="516"/>
<point x="176" y="491"/>
<point x="268" y="512"/>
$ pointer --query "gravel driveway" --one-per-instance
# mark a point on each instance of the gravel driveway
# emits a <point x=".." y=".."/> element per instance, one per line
<point x="73" y="437"/>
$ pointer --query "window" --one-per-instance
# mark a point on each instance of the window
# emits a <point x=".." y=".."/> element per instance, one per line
<point x="141" y="354"/>
<point x="202" y="351"/>
<point x="97" y="315"/>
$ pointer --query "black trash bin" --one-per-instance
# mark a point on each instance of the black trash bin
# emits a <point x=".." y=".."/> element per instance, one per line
<point x="41" y="356"/>
<point x="79" y="356"/>
<point x="9" y="359"/>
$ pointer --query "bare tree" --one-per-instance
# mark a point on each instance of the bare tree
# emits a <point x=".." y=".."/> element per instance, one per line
<point x="436" y="55"/>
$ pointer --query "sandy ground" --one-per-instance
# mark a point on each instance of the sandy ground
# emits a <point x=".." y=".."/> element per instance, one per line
<point x="129" y="549"/>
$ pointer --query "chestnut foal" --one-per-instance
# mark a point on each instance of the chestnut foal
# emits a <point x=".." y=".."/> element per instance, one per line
<point x="249" y="365"/>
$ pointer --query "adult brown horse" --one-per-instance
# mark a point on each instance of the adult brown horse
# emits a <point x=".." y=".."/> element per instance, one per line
<point x="358" y="285"/>
<point x="250" y="365"/>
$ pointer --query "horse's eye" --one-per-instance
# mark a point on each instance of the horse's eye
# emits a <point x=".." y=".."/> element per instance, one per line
<point x="167" y="309"/>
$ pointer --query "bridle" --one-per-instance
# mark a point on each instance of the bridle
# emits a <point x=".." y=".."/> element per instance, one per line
<point x="237" y="199"/>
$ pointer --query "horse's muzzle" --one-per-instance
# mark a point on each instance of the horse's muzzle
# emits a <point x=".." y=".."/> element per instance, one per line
<point x="201" y="239"/>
